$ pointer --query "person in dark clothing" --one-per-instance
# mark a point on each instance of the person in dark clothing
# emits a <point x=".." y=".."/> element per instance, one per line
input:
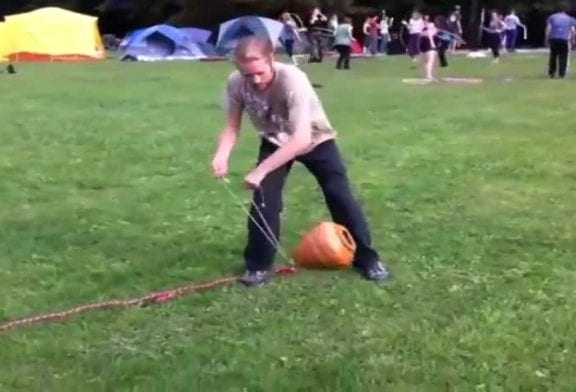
<point x="445" y="39"/>
<point x="560" y="29"/>
<point x="494" y="32"/>
<point x="316" y="35"/>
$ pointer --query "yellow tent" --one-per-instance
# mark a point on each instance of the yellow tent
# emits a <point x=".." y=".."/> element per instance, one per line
<point x="5" y="42"/>
<point x="53" y="34"/>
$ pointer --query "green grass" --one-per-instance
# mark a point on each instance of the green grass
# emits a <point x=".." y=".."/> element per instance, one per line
<point x="106" y="193"/>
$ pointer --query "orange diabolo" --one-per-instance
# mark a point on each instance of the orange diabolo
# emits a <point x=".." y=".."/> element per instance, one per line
<point x="328" y="245"/>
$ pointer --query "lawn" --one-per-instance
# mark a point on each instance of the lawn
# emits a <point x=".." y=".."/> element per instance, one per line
<point x="469" y="190"/>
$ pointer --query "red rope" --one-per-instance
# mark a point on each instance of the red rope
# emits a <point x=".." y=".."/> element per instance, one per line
<point x="145" y="300"/>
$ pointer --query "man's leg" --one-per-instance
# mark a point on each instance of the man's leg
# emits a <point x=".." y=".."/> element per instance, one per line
<point x="289" y="46"/>
<point x="514" y="40"/>
<point x="413" y="42"/>
<point x="326" y="164"/>
<point x="563" y="52"/>
<point x="442" y="48"/>
<point x="347" y="53"/>
<point x="374" y="45"/>
<point x="495" y="46"/>
<point x="509" y="34"/>
<point x="259" y="251"/>
<point x="552" y="61"/>
<point x="340" y="61"/>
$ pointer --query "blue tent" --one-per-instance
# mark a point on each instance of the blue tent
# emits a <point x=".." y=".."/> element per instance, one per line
<point x="164" y="42"/>
<point x="196" y="34"/>
<point x="233" y="30"/>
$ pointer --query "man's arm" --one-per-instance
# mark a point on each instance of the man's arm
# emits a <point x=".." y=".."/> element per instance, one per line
<point x="547" y="31"/>
<point x="299" y="92"/>
<point x="229" y="134"/>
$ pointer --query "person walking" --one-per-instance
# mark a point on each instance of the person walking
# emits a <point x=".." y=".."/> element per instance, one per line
<point x="560" y="29"/>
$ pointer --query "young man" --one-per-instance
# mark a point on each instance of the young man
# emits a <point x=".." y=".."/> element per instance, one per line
<point x="293" y="126"/>
<point x="560" y="29"/>
<point x="512" y="22"/>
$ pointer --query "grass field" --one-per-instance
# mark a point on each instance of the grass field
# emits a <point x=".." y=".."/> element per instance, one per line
<point x="106" y="193"/>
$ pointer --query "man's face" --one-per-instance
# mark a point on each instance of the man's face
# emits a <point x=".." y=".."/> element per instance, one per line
<point x="258" y="72"/>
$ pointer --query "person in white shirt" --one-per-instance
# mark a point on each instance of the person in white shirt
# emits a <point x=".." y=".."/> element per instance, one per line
<point x="385" y="24"/>
<point x="512" y="22"/>
<point x="332" y="26"/>
<point x="415" y="26"/>
<point x="333" y="22"/>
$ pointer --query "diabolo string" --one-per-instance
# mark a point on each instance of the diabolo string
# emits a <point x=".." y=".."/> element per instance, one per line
<point x="264" y="227"/>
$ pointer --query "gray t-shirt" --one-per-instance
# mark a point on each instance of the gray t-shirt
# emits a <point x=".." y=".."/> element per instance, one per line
<point x="275" y="111"/>
<point x="343" y="34"/>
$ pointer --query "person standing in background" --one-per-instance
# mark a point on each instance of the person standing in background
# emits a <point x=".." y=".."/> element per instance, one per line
<point x="318" y="23"/>
<point x="560" y="29"/>
<point x="385" y="24"/>
<point x="332" y="26"/>
<point x="512" y="22"/>
<point x="333" y="22"/>
<point x="290" y="35"/>
<point x="428" y="49"/>
<point x="454" y="26"/>
<point x="494" y="31"/>
<point x="445" y="38"/>
<point x="371" y="29"/>
<point x="415" y="26"/>
<point x="343" y="43"/>
<point x="374" y="31"/>
<point x="366" y="35"/>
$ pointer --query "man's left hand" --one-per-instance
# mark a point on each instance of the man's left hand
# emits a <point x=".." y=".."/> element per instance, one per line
<point x="253" y="179"/>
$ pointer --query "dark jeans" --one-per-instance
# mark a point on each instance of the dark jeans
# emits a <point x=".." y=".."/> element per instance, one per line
<point x="326" y="165"/>
<point x="494" y="42"/>
<point x="413" y="45"/>
<point x="443" y="46"/>
<point x="289" y="47"/>
<point x="511" y="39"/>
<point x="344" y="52"/>
<point x="316" y="48"/>
<point x="559" y="51"/>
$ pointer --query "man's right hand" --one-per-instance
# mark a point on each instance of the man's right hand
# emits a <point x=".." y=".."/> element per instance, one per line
<point x="219" y="166"/>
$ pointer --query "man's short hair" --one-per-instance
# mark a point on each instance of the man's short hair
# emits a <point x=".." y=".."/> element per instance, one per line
<point x="253" y="48"/>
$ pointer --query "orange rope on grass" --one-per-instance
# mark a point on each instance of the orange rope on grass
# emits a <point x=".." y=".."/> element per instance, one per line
<point x="149" y="299"/>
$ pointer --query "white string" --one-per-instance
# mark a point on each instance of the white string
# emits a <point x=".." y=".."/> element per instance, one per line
<point x="268" y="233"/>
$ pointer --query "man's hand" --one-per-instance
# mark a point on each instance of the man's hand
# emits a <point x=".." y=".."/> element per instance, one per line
<point x="219" y="166"/>
<point x="253" y="180"/>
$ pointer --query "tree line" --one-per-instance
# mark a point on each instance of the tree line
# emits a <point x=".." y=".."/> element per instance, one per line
<point x="210" y="13"/>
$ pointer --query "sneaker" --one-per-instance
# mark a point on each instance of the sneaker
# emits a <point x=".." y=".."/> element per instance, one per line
<point x="376" y="272"/>
<point x="255" y="278"/>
